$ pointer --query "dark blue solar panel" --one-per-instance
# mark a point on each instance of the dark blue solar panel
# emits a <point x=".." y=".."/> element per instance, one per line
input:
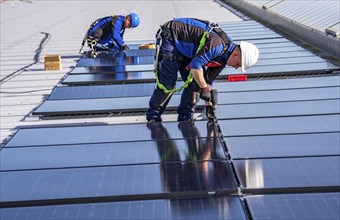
<point x="119" y="68"/>
<point x="109" y="133"/>
<point x="258" y="85"/>
<point x="133" y="52"/>
<point x="128" y="104"/>
<point x="283" y="68"/>
<point x="167" y="150"/>
<point x="284" y="125"/>
<point x="278" y="109"/>
<point x="284" y="145"/>
<point x="85" y="106"/>
<point x="288" y="173"/>
<point x="103" y="91"/>
<point x="145" y="89"/>
<point x="116" y="181"/>
<point x="130" y="77"/>
<point x="226" y="208"/>
<point x="295" y="206"/>
<point x="115" y="61"/>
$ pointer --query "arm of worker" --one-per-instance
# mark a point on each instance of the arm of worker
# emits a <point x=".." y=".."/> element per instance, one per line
<point x="117" y="32"/>
<point x="205" y="89"/>
<point x="198" y="75"/>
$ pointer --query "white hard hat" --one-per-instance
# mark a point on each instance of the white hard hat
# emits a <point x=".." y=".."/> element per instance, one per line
<point x="250" y="55"/>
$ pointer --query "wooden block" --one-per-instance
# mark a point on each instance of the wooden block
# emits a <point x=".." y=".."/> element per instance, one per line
<point x="52" y="62"/>
<point x="147" y="46"/>
<point x="52" y="58"/>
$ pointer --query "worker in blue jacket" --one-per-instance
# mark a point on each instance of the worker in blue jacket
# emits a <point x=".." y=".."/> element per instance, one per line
<point x="107" y="33"/>
<point x="186" y="44"/>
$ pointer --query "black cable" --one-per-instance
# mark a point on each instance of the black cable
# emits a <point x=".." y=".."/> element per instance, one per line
<point x="36" y="56"/>
<point x="29" y="91"/>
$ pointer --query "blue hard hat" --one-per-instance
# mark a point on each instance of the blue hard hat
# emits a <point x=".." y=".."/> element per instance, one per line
<point x="134" y="20"/>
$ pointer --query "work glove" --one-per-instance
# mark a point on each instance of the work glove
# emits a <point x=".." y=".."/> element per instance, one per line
<point x="125" y="47"/>
<point x="210" y="109"/>
<point x="206" y="94"/>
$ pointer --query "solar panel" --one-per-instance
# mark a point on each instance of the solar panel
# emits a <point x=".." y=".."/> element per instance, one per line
<point x="131" y="77"/>
<point x="295" y="206"/>
<point x="133" y="52"/>
<point x="103" y="91"/>
<point x="111" y="69"/>
<point x="295" y="145"/>
<point x="189" y="208"/>
<point x="283" y="68"/>
<point x="279" y="95"/>
<point x="116" y="181"/>
<point x="283" y="125"/>
<point x="86" y="106"/>
<point x="128" y="104"/>
<point x="102" y="75"/>
<point x="115" y="61"/>
<point x="146" y="89"/>
<point x="278" y="109"/>
<point x="273" y="174"/>
<point x="109" y="133"/>
<point x="276" y="84"/>
<point x="120" y="68"/>
<point x="124" y="153"/>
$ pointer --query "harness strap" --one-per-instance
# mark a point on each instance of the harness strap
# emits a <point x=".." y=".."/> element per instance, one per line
<point x="88" y="31"/>
<point x="190" y="77"/>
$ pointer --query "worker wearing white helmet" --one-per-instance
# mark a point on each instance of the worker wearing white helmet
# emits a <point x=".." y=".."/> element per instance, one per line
<point x="244" y="55"/>
<point x="199" y="50"/>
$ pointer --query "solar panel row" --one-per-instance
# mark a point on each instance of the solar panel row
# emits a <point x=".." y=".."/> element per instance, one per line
<point x="273" y="138"/>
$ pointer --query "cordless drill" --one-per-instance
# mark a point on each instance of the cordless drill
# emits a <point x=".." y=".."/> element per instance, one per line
<point x="210" y="107"/>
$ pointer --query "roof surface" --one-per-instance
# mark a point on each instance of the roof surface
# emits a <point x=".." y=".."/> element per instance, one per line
<point x="76" y="145"/>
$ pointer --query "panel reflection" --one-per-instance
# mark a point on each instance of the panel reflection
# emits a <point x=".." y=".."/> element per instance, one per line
<point x="251" y="172"/>
<point x="108" y="58"/>
<point x="193" y="170"/>
<point x="191" y="208"/>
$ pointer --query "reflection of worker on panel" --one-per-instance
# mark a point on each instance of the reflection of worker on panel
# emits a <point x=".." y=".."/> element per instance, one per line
<point x="191" y="170"/>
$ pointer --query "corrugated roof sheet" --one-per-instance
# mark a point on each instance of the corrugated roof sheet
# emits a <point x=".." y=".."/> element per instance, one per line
<point x="315" y="14"/>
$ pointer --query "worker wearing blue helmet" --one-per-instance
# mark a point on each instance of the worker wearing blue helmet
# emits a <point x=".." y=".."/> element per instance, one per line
<point x="107" y="33"/>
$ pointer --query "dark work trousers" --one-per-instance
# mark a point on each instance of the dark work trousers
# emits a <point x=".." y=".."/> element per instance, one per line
<point x="167" y="74"/>
<point x="105" y="39"/>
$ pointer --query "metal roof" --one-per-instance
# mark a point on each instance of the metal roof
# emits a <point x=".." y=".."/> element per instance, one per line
<point x="273" y="153"/>
<point x="316" y="14"/>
